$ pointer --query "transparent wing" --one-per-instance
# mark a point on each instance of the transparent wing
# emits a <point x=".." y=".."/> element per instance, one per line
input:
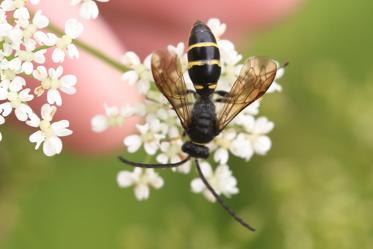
<point x="254" y="80"/>
<point x="168" y="76"/>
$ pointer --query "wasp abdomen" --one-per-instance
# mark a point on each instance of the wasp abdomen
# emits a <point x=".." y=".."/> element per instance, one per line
<point x="203" y="59"/>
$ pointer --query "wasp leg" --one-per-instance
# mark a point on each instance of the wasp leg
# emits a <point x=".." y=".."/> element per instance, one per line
<point x="192" y="92"/>
<point x="222" y="93"/>
<point x="223" y="96"/>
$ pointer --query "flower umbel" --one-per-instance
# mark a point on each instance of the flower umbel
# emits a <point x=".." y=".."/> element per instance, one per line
<point x="161" y="134"/>
<point x="24" y="42"/>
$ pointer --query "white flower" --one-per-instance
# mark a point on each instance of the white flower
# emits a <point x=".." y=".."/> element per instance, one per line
<point x="218" y="28"/>
<point x="88" y="8"/>
<point x="49" y="133"/>
<point x="113" y="117"/>
<point x="141" y="179"/>
<point x="10" y="71"/>
<point x="64" y="44"/>
<point x="150" y="135"/>
<point x="140" y="75"/>
<point x="30" y="55"/>
<point x="30" y="30"/>
<point x="16" y="98"/>
<point x="222" y="144"/>
<point x="52" y="82"/>
<point x="255" y="140"/>
<point x="222" y="181"/>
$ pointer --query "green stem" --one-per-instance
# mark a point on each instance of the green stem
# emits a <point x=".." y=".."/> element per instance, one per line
<point x="91" y="50"/>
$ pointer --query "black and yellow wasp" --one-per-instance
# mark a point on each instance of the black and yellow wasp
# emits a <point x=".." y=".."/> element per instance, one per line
<point x="196" y="109"/>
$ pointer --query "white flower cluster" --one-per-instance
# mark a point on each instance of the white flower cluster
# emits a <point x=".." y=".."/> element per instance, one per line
<point x="88" y="8"/>
<point x="23" y="47"/>
<point x="161" y="134"/>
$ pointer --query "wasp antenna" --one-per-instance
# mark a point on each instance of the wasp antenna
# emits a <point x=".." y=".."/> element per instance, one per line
<point x="221" y="202"/>
<point x="144" y="165"/>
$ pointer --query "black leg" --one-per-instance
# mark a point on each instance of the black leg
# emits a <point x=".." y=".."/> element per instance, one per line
<point x="149" y="166"/>
<point x="222" y="93"/>
<point x="220" y="200"/>
<point x="192" y="92"/>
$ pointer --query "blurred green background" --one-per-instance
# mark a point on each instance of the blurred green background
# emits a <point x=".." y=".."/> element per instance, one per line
<point x="313" y="190"/>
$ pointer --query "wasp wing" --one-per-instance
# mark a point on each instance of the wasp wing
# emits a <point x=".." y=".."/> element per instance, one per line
<point x="254" y="80"/>
<point x="168" y="76"/>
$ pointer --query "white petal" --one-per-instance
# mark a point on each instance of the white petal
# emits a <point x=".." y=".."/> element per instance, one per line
<point x="221" y="156"/>
<point x="37" y="138"/>
<point x="34" y="120"/>
<point x="133" y="143"/>
<point x="27" y="67"/>
<point x="67" y="84"/>
<point x="22" y="112"/>
<point x="5" y="109"/>
<point x="162" y="158"/>
<point x="40" y="20"/>
<point x="151" y="148"/>
<point x="40" y="73"/>
<point x="47" y="112"/>
<point x="242" y="147"/>
<point x="124" y="179"/>
<point x="73" y="51"/>
<point x="17" y="84"/>
<point x="52" y="146"/>
<point x="25" y="95"/>
<point x="142" y="192"/>
<point x="262" y="126"/>
<point x="130" y="59"/>
<point x="3" y="93"/>
<point x="275" y="87"/>
<point x="209" y="196"/>
<point x="154" y="179"/>
<point x="89" y="10"/>
<point x="54" y="97"/>
<point x="197" y="185"/>
<point x="40" y="56"/>
<point x="262" y="145"/>
<point x="2" y="120"/>
<point x="22" y="13"/>
<point x="206" y="169"/>
<point x="130" y="77"/>
<point x="99" y="123"/>
<point x="73" y="28"/>
<point x="143" y="128"/>
<point x="60" y="128"/>
<point x="58" y="55"/>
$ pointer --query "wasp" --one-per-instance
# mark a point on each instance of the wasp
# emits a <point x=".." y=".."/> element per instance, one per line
<point x="196" y="109"/>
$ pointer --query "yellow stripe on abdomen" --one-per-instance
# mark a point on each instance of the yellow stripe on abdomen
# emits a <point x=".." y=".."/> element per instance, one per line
<point x="203" y="44"/>
<point x="203" y="62"/>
